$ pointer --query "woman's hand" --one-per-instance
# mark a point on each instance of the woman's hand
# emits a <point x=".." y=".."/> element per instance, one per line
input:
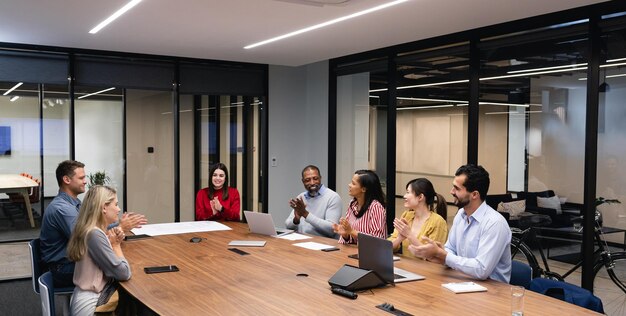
<point x="116" y="236"/>
<point x="343" y="228"/>
<point x="216" y="206"/>
<point x="404" y="230"/>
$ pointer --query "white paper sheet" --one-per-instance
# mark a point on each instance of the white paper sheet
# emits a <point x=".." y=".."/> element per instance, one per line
<point x="464" y="287"/>
<point x="179" y="228"/>
<point x="313" y="245"/>
<point x="294" y="236"/>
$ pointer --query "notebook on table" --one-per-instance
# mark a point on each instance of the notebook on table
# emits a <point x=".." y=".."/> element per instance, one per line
<point x="247" y="243"/>
<point x="263" y="224"/>
<point x="377" y="254"/>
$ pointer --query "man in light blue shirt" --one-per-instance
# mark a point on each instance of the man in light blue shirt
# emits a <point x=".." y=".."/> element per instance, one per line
<point x="479" y="240"/>
<point x="316" y="209"/>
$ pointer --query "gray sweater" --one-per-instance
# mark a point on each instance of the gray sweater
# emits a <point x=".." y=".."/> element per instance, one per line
<point x="324" y="211"/>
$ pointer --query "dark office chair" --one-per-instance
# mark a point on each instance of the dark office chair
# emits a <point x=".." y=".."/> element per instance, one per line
<point x="521" y="274"/>
<point x="35" y="268"/>
<point x="47" y="294"/>
<point x="567" y="292"/>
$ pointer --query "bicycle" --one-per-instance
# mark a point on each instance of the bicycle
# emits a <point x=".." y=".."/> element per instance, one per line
<point x="607" y="265"/>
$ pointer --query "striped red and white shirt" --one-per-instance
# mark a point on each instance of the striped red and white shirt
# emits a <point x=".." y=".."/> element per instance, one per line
<point x="373" y="222"/>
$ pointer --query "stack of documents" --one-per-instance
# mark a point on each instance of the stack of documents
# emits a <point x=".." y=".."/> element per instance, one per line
<point x="464" y="287"/>
<point x="247" y="243"/>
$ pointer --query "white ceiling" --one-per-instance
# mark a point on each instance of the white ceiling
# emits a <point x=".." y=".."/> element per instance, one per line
<point x="219" y="29"/>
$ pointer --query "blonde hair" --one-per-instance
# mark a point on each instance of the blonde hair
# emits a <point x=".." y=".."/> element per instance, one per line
<point x="90" y="217"/>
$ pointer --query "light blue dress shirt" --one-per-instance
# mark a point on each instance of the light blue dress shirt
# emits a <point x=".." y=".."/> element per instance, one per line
<point x="479" y="245"/>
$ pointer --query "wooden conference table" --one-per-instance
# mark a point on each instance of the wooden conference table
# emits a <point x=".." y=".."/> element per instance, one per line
<point x="15" y="183"/>
<point x="214" y="280"/>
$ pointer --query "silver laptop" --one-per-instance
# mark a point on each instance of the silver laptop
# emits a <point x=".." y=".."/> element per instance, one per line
<point x="263" y="224"/>
<point x="377" y="254"/>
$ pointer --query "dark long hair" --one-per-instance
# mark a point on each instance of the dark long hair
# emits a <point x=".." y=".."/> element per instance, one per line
<point x="222" y="167"/>
<point x="373" y="190"/>
<point x="435" y="201"/>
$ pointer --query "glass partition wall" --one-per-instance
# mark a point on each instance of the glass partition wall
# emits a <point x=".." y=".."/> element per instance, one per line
<point x="230" y="133"/>
<point x="431" y="121"/>
<point x="513" y="98"/>
<point x="532" y="110"/>
<point x="362" y="107"/>
<point x="98" y="133"/>
<point x="611" y="181"/>
<point x="127" y="116"/>
<point x="19" y="147"/>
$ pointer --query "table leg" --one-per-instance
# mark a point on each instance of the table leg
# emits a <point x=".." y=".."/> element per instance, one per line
<point x="29" y="210"/>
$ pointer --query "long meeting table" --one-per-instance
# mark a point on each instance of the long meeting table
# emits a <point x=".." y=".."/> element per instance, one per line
<point x="281" y="278"/>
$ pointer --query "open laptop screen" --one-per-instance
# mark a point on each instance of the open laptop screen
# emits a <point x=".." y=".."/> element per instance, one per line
<point x="376" y="254"/>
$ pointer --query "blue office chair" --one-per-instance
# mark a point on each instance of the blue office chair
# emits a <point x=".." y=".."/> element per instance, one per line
<point x="47" y="294"/>
<point x="521" y="274"/>
<point x="567" y="292"/>
<point x="35" y="267"/>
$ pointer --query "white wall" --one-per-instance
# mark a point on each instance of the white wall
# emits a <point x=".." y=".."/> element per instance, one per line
<point x="298" y="131"/>
<point x="99" y="140"/>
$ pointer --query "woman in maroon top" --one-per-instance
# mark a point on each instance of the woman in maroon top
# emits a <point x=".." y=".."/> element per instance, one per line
<point x="218" y="201"/>
<point x="366" y="212"/>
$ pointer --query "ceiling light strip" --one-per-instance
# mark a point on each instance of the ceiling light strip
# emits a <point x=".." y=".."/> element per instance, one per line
<point x="14" y="87"/>
<point x="324" y="24"/>
<point x="98" y="92"/>
<point x="426" y="107"/>
<point x="14" y="98"/>
<point x="114" y="16"/>
<point x="614" y="60"/>
<point x="505" y="104"/>
<point x="431" y="100"/>
<point x="609" y="76"/>
<point x="499" y="77"/>
<point x="546" y="68"/>
<point x="612" y="65"/>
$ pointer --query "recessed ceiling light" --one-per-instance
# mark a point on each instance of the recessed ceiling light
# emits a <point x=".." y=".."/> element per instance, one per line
<point x="324" y="24"/>
<point x="114" y="16"/>
<point x="14" y="98"/>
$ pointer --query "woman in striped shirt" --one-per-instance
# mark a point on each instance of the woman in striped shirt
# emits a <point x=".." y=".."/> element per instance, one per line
<point x="366" y="212"/>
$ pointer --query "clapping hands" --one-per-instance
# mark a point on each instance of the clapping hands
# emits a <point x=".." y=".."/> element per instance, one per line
<point x="343" y="228"/>
<point x="132" y="220"/>
<point x="216" y="206"/>
<point x="404" y="230"/>
<point x="116" y="235"/>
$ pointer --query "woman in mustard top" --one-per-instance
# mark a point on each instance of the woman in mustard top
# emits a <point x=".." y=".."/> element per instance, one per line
<point x="425" y="216"/>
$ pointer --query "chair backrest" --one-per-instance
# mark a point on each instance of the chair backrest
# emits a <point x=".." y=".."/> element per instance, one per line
<point x="35" y="262"/>
<point x="521" y="274"/>
<point x="567" y="292"/>
<point x="47" y="294"/>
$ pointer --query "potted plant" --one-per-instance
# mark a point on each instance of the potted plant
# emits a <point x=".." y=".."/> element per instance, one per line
<point x="98" y="178"/>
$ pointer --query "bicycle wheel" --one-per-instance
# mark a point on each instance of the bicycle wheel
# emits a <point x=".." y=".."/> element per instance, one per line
<point x="610" y="284"/>
<point x="521" y="252"/>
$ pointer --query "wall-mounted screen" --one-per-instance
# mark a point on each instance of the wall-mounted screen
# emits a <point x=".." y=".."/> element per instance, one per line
<point x="5" y="140"/>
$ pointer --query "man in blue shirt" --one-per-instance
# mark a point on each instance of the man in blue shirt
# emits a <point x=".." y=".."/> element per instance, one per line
<point x="479" y="240"/>
<point x="316" y="209"/>
<point x="59" y="219"/>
